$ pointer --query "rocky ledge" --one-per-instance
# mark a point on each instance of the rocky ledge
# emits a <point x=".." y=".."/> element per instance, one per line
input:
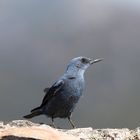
<point x="26" y="130"/>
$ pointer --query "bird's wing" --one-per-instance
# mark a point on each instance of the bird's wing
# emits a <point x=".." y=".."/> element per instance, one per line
<point x="46" y="89"/>
<point x="56" y="87"/>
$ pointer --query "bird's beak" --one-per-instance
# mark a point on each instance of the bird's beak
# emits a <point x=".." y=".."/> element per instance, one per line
<point x="95" y="61"/>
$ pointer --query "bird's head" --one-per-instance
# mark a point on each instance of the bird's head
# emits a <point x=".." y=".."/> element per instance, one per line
<point x="81" y="63"/>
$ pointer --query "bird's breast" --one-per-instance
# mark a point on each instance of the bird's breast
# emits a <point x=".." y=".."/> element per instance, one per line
<point x="74" y="87"/>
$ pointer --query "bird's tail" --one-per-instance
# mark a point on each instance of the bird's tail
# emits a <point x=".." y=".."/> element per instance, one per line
<point x="35" y="112"/>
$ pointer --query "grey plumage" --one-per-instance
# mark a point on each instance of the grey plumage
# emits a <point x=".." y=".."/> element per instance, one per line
<point x="62" y="97"/>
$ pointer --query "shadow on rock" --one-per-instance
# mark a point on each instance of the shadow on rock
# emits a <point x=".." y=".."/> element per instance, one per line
<point x="10" y="137"/>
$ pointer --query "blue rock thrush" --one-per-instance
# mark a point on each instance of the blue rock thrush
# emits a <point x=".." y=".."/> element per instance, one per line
<point x="62" y="97"/>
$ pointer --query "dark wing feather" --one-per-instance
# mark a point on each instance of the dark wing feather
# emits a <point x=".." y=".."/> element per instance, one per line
<point x="46" y="89"/>
<point x="56" y="87"/>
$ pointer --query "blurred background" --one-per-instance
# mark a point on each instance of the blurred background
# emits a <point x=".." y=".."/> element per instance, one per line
<point x="37" y="40"/>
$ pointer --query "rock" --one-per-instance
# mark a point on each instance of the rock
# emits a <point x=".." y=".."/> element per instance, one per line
<point x="105" y="134"/>
<point x="26" y="130"/>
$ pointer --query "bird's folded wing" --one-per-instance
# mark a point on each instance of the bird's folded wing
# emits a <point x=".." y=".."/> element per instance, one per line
<point x="46" y="89"/>
<point x="56" y="87"/>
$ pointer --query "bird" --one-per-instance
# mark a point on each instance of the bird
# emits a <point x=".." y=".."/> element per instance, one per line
<point x="61" y="98"/>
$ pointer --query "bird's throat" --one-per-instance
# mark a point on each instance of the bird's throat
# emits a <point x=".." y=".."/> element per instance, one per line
<point x="75" y="72"/>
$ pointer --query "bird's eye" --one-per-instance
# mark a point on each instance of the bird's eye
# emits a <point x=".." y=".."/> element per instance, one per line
<point x="84" y="60"/>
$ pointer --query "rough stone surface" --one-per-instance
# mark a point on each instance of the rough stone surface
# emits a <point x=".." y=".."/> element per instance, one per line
<point x="26" y="130"/>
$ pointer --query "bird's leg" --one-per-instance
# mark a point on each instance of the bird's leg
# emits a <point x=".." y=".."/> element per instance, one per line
<point x="71" y="122"/>
<point x="53" y="122"/>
